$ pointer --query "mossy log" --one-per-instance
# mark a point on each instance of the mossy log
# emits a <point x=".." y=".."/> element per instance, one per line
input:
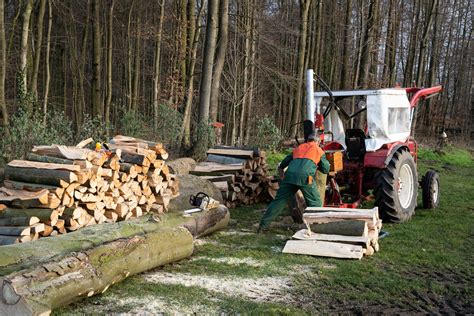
<point x="181" y="166"/>
<point x="40" y="289"/>
<point x="191" y="185"/>
<point x="23" y="256"/>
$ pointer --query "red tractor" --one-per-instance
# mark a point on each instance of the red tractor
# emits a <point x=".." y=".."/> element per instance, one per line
<point x="371" y="151"/>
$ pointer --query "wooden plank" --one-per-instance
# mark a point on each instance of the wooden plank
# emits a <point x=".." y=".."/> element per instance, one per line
<point x="48" y="159"/>
<point x="248" y="154"/>
<point x="323" y="249"/>
<point x="10" y="195"/>
<point x="218" y="178"/>
<point x="68" y="152"/>
<point x="42" y="165"/>
<point x="208" y="168"/>
<point x="303" y="235"/>
<point x="225" y="160"/>
<point x="321" y="217"/>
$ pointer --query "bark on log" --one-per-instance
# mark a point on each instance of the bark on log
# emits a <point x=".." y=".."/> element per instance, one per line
<point x="40" y="176"/>
<point x="346" y="228"/>
<point x="48" y="159"/>
<point x="181" y="166"/>
<point x="19" y="221"/>
<point x="191" y="185"/>
<point x="42" y="214"/>
<point x="208" y="222"/>
<point x="57" y="283"/>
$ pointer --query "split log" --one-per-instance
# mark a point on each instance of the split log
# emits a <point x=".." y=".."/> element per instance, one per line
<point x="15" y="231"/>
<point x="67" y="152"/>
<point x="19" y="221"/>
<point x="181" y="166"/>
<point x="238" y="153"/>
<point x="304" y="234"/>
<point x="323" y="249"/>
<point x="59" y="283"/>
<point x="42" y="214"/>
<point x="61" y="178"/>
<point x="9" y="184"/>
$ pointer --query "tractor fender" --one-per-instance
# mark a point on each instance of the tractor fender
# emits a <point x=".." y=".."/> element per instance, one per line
<point x="392" y="152"/>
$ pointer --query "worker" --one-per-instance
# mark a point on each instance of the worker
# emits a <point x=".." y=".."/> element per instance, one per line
<point x="302" y="165"/>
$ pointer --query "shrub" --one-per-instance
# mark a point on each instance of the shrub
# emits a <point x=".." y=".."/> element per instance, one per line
<point x="133" y="124"/>
<point x="169" y="125"/>
<point x="92" y="127"/>
<point x="27" y="130"/>
<point x="268" y="136"/>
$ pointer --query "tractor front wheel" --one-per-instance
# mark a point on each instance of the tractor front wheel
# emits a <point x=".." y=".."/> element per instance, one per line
<point x="396" y="188"/>
<point x="430" y="186"/>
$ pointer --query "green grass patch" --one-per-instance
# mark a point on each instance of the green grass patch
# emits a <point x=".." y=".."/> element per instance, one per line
<point x="450" y="155"/>
<point x="424" y="266"/>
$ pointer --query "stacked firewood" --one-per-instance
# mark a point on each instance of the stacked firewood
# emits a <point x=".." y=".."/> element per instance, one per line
<point x="63" y="188"/>
<point x="338" y="233"/>
<point x="240" y="175"/>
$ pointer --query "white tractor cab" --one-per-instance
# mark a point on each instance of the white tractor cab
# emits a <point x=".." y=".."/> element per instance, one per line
<point x="366" y="136"/>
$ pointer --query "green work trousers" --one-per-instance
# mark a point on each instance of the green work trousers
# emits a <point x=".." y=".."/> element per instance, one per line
<point x="284" y="193"/>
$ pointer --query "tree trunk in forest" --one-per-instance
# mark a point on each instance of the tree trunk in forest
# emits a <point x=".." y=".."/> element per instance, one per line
<point x="422" y="59"/>
<point x="157" y="70"/>
<point x="39" y="41"/>
<point x="367" y="43"/>
<point x="47" y="66"/>
<point x="108" y="101"/>
<point x="136" y="70"/>
<point x="97" y="104"/>
<point x="206" y="76"/>
<point x="24" y="53"/>
<point x="296" y="114"/>
<point x="345" y="82"/>
<point x="220" y="58"/>
<point x="3" y="67"/>
<point x="413" y="43"/>
<point x="195" y="31"/>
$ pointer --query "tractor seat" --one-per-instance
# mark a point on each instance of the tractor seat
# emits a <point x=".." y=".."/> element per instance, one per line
<point x="355" y="142"/>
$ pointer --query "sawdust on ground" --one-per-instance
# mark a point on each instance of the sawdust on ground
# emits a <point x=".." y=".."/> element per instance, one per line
<point x="267" y="289"/>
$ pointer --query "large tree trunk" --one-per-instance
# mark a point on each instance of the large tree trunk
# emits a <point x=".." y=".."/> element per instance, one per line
<point x="39" y="41"/>
<point x="206" y="77"/>
<point x="90" y="272"/>
<point x="3" y="66"/>
<point x="345" y="81"/>
<point x="220" y="58"/>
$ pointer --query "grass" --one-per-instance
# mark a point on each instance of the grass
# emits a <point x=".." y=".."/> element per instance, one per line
<point x="424" y="266"/>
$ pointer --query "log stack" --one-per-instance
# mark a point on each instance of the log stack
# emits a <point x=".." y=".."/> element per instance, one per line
<point x="59" y="189"/>
<point x="240" y="174"/>
<point x="337" y="232"/>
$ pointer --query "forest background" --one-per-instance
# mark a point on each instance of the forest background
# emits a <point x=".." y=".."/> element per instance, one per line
<point x="163" y="70"/>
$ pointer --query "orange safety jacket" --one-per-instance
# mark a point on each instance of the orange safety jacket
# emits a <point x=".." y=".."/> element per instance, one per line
<point x="310" y="151"/>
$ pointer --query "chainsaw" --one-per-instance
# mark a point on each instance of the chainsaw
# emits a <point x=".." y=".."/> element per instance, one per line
<point x="203" y="201"/>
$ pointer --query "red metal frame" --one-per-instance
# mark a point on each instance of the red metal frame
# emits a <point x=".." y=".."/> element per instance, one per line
<point x="355" y="171"/>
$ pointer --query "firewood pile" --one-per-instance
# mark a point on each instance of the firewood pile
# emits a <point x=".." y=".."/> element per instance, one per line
<point x="240" y="174"/>
<point x="59" y="189"/>
<point x="337" y="232"/>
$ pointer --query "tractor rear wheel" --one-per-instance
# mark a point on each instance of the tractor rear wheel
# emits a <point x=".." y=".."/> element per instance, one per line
<point x="397" y="188"/>
<point x="430" y="186"/>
